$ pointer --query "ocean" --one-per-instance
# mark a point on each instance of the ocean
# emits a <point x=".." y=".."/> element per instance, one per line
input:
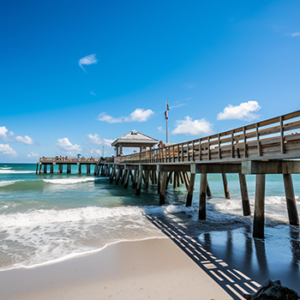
<point x="47" y="218"/>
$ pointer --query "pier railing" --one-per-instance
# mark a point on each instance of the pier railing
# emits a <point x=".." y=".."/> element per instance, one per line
<point x="274" y="138"/>
<point x="67" y="160"/>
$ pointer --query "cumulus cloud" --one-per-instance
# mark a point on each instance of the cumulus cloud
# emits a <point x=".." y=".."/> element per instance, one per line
<point x="160" y="129"/>
<point x="95" y="139"/>
<point x="139" y="115"/>
<point x="190" y="127"/>
<point x="87" y="60"/>
<point x="65" y="144"/>
<point x="240" y="112"/>
<point x="294" y="34"/>
<point x="6" y="149"/>
<point x="95" y="152"/>
<point x="26" y="139"/>
<point x="4" y="133"/>
<point x="32" y="155"/>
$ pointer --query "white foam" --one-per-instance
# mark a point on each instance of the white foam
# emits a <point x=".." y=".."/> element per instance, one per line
<point x="70" y="180"/>
<point x="43" y="217"/>
<point x="8" y="182"/>
<point x="15" y="172"/>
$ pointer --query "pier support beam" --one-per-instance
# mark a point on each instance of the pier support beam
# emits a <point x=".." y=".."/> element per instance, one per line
<point x="225" y="184"/>
<point x="45" y="168"/>
<point x="158" y="182"/>
<point x="88" y="169"/>
<point x="40" y="171"/>
<point x="202" y="197"/>
<point x="259" y="211"/>
<point x="244" y="195"/>
<point x="126" y="181"/>
<point x="290" y="200"/>
<point x="37" y="168"/>
<point x="139" y="181"/>
<point x="79" y="168"/>
<point x="68" y="168"/>
<point x="118" y="176"/>
<point x="51" y="169"/>
<point x="163" y="188"/>
<point x="208" y="191"/>
<point x="112" y="175"/>
<point x="190" y="190"/>
<point x="60" y="169"/>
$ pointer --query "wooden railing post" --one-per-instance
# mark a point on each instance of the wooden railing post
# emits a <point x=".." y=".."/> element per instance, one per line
<point x="245" y="142"/>
<point x="257" y="137"/>
<point x="281" y="135"/>
<point x="219" y="150"/>
<point x="200" y="150"/>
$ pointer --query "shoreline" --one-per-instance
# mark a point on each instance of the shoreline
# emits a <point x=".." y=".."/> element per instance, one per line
<point x="153" y="268"/>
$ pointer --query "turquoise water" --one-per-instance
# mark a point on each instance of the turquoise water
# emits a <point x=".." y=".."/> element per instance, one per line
<point x="49" y="217"/>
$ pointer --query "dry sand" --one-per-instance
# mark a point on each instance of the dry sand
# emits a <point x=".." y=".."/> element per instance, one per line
<point x="148" y="269"/>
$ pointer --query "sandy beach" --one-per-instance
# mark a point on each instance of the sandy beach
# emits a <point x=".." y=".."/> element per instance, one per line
<point x="148" y="269"/>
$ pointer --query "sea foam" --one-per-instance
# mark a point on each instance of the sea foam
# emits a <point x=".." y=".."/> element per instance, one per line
<point x="70" y="180"/>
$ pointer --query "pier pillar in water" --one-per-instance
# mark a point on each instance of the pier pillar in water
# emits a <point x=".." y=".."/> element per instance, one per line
<point x="163" y="188"/>
<point x="79" y="168"/>
<point x="51" y="169"/>
<point x="225" y="184"/>
<point x="290" y="200"/>
<point x="126" y="181"/>
<point x="37" y="168"/>
<point x="135" y="174"/>
<point x="174" y="180"/>
<point x="45" y="168"/>
<point x="139" y="181"/>
<point x="69" y="169"/>
<point x="88" y="169"/>
<point x="40" y="171"/>
<point x="112" y="175"/>
<point x="123" y="176"/>
<point x="259" y="210"/>
<point x="60" y="167"/>
<point x="244" y="195"/>
<point x="190" y="190"/>
<point x="158" y="182"/>
<point x="118" y="176"/>
<point x="147" y="173"/>
<point x="185" y="180"/>
<point x="202" y="197"/>
<point x="208" y="191"/>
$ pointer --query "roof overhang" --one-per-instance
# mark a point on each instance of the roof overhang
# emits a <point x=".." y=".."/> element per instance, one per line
<point x="133" y="143"/>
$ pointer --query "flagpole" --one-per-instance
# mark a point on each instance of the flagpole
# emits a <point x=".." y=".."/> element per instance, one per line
<point x="167" y="122"/>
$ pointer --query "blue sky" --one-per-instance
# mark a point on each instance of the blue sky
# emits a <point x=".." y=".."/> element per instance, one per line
<point x="75" y="75"/>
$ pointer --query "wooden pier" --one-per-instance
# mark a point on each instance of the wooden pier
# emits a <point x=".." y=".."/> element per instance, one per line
<point x="267" y="147"/>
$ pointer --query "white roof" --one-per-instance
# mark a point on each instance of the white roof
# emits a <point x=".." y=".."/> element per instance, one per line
<point x="134" y="137"/>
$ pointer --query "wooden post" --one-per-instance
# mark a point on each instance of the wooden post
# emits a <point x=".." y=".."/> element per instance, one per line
<point x="112" y="174"/>
<point x="181" y="178"/>
<point x="134" y="184"/>
<point x="45" y="168"/>
<point x="178" y="179"/>
<point x="118" y="176"/>
<point x="155" y="177"/>
<point x="40" y="171"/>
<point x="169" y="179"/>
<point x="68" y="168"/>
<point x="244" y="195"/>
<point x="281" y="135"/>
<point x="123" y="176"/>
<point x="139" y="182"/>
<point x="88" y="169"/>
<point x="202" y="197"/>
<point x="290" y="200"/>
<point x="163" y="188"/>
<point x="175" y="180"/>
<point x="60" y="169"/>
<point x="190" y="190"/>
<point x="79" y="168"/>
<point x="258" y="142"/>
<point x="158" y="182"/>
<point x="37" y="168"/>
<point x="208" y="191"/>
<point x="147" y="174"/>
<point x="259" y="211"/>
<point x="126" y="181"/>
<point x="225" y="185"/>
<point x="185" y="181"/>
<point x="51" y="169"/>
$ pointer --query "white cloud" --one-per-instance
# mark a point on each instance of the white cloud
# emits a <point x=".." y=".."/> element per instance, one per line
<point x="95" y="152"/>
<point x="94" y="94"/>
<point x="190" y="127"/>
<point x="94" y="139"/>
<point x="160" y="129"/>
<point x="26" y="140"/>
<point x="6" y="149"/>
<point x="65" y="144"/>
<point x="3" y="131"/>
<point x="87" y="60"/>
<point x="139" y="115"/>
<point x="294" y="34"/>
<point x="107" y="142"/>
<point x="240" y="112"/>
<point x="32" y="155"/>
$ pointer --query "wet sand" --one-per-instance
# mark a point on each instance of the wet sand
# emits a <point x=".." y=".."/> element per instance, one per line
<point x="148" y="269"/>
